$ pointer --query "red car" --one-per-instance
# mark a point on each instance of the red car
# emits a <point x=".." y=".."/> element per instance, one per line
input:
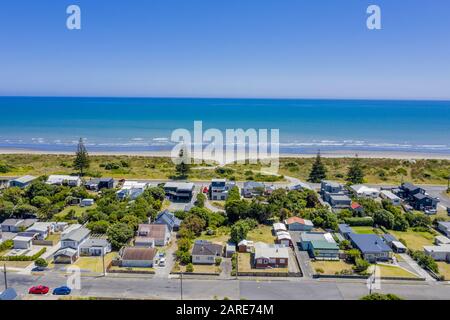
<point x="39" y="290"/>
<point x="205" y="190"/>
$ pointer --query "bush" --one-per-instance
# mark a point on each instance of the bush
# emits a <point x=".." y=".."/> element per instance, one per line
<point x="7" y="245"/>
<point x="40" y="262"/>
<point x="380" y="296"/>
<point x="361" y="265"/>
<point x="190" y="268"/>
<point x="218" y="261"/>
<point x="359" y="222"/>
<point x="320" y="271"/>
<point x="425" y="261"/>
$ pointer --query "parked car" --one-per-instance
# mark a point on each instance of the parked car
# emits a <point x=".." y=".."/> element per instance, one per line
<point x="162" y="262"/>
<point x="39" y="290"/>
<point x="205" y="190"/>
<point x="448" y="211"/>
<point x="62" y="291"/>
<point x="430" y="211"/>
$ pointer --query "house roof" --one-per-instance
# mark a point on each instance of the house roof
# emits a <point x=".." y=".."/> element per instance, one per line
<point x="168" y="218"/>
<point x="279" y="226"/>
<point x="340" y="197"/>
<point x="409" y="186"/>
<point x="445" y="224"/>
<point x="66" y="252"/>
<point x="345" y="228"/>
<point x="155" y="231"/>
<point x="23" y="238"/>
<point x="356" y="205"/>
<point x="135" y="253"/>
<point x="443" y="239"/>
<point x="95" y="242"/>
<point x="77" y="234"/>
<point x="444" y="248"/>
<point x="246" y="243"/>
<point x="301" y="185"/>
<point x="206" y="248"/>
<point x="143" y="240"/>
<point x="40" y="226"/>
<point x="25" y="179"/>
<point x="253" y="185"/>
<point x="292" y="220"/>
<point x="180" y="186"/>
<point x="369" y="243"/>
<point x="12" y="222"/>
<point x="399" y="245"/>
<point x="333" y="184"/>
<point x="389" y="237"/>
<point x="264" y="250"/>
<point x="56" y="178"/>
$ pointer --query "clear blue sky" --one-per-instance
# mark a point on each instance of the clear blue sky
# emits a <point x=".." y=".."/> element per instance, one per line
<point x="226" y="48"/>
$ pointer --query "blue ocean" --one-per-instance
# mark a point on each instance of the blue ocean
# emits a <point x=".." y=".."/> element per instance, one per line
<point x="146" y="124"/>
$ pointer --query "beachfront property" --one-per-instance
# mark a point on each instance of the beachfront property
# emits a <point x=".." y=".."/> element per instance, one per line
<point x="131" y="190"/>
<point x="206" y="252"/>
<point x="417" y="198"/>
<point x="392" y="198"/>
<point x="64" y="180"/>
<point x="362" y="191"/>
<point x="319" y="245"/>
<point x="219" y="188"/>
<point x="253" y="189"/>
<point x="98" y="184"/>
<point x="298" y="224"/>
<point x="179" y="191"/>
<point x="372" y="247"/>
<point x="22" y="182"/>
<point x="270" y="256"/>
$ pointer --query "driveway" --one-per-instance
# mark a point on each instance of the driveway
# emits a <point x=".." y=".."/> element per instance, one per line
<point x="413" y="264"/>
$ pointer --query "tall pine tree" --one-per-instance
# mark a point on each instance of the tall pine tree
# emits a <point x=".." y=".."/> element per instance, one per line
<point x="355" y="172"/>
<point x="183" y="168"/>
<point x="318" y="171"/>
<point x="81" y="161"/>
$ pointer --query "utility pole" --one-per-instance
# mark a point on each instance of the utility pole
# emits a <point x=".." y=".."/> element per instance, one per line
<point x="103" y="261"/>
<point x="6" y="279"/>
<point x="181" y="285"/>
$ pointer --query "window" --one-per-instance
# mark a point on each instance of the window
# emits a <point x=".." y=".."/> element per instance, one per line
<point x="282" y="261"/>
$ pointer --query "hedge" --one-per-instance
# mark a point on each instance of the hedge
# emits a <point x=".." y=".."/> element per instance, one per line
<point x="359" y="222"/>
<point x="24" y="258"/>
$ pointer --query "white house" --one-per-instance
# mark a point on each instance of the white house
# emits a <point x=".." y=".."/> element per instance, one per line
<point x="278" y="226"/>
<point x="24" y="240"/>
<point x="362" y="191"/>
<point x="205" y="252"/>
<point x="71" y="181"/>
<point x="444" y="227"/>
<point x="132" y="189"/>
<point x="87" y="203"/>
<point x="388" y="195"/>
<point x="441" y="240"/>
<point x="219" y="188"/>
<point x="134" y="257"/>
<point x="438" y="253"/>
<point x="71" y="240"/>
<point x="95" y="247"/>
<point x="43" y="229"/>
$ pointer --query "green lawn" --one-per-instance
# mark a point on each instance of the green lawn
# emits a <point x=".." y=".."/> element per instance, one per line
<point x="94" y="264"/>
<point x="262" y="233"/>
<point x="78" y="211"/>
<point x="414" y="240"/>
<point x="222" y="235"/>
<point x="331" y="267"/>
<point x="365" y="230"/>
<point x="395" y="271"/>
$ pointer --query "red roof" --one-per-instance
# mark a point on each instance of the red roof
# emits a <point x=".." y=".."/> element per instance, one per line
<point x="356" y="205"/>
<point x="294" y="220"/>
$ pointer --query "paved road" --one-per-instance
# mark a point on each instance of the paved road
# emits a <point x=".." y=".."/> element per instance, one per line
<point x="276" y="289"/>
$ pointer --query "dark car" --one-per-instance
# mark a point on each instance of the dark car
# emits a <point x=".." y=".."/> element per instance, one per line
<point x="448" y="210"/>
<point x="39" y="290"/>
<point x="62" y="291"/>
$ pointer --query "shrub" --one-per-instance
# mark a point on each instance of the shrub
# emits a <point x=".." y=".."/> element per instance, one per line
<point x="359" y="221"/>
<point x="380" y="296"/>
<point x="218" y="261"/>
<point x="40" y="262"/>
<point x="320" y="271"/>
<point x="361" y="265"/>
<point x="190" y="268"/>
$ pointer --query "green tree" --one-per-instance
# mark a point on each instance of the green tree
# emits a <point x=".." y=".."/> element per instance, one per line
<point x="81" y="161"/>
<point x="361" y="265"/>
<point x="190" y="267"/>
<point x="119" y="234"/>
<point x="384" y="218"/>
<point x="355" y="172"/>
<point x="318" y="170"/>
<point x="182" y="168"/>
<point x="200" y="201"/>
<point x="194" y="224"/>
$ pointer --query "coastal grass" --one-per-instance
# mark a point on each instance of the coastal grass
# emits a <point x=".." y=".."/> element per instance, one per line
<point x="382" y="171"/>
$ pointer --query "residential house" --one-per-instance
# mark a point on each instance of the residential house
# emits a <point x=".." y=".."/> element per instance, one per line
<point x="95" y="246"/>
<point x="335" y="194"/>
<point x="219" y="188"/>
<point x="71" y="181"/>
<point x="205" y="252"/>
<point x="158" y="232"/>
<point x="24" y="240"/>
<point x="168" y="218"/>
<point x="284" y="238"/>
<point x="392" y="198"/>
<point x="230" y="249"/>
<point x="418" y="198"/>
<point x="441" y="240"/>
<point x="444" y="227"/>
<point x="87" y="203"/>
<point x="68" y="229"/>
<point x="301" y="186"/>
<point x="246" y="246"/>
<point x="330" y="187"/>
<point x="345" y="230"/>
<point x="71" y="242"/>
<point x="179" y="191"/>
<point x="392" y="242"/>
<point x="298" y="224"/>
<point x="339" y="201"/>
<point x="137" y="257"/>
<point x="362" y="191"/>
<point x="98" y="184"/>
<point x="270" y="256"/>
<point x="17" y="225"/>
<point x="252" y="189"/>
<point x="144" y="242"/>
<point x="438" y="253"/>
<point x="357" y="208"/>
<point x="22" y="182"/>
<point x="131" y="190"/>
<point x="320" y="246"/>
<point x="372" y="247"/>
<point x="43" y="229"/>
<point x="279" y="227"/>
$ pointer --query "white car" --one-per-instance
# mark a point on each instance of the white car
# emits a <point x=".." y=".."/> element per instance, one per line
<point x="162" y="262"/>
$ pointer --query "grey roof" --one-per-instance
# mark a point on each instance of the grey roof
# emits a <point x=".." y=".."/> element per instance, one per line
<point x="253" y="184"/>
<point x="445" y="224"/>
<point x="77" y="234"/>
<point x="206" y="248"/>
<point x="340" y="197"/>
<point x="369" y="243"/>
<point x="332" y="183"/>
<point x="25" y="179"/>
<point x="180" y="186"/>
<point x="12" y="222"/>
<point x="264" y="250"/>
<point x="66" y="252"/>
<point x="95" y="242"/>
<point x="168" y="218"/>
<point x="409" y="186"/>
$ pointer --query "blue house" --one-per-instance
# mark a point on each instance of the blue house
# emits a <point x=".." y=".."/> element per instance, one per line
<point x="345" y="230"/>
<point x="372" y="247"/>
<point x="168" y="218"/>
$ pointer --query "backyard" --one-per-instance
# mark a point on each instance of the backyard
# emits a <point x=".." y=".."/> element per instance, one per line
<point x="261" y="234"/>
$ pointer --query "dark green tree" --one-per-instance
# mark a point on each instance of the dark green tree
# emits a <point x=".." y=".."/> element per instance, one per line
<point x="182" y="168"/>
<point x="119" y="234"/>
<point x="355" y="172"/>
<point x="318" y="171"/>
<point x="81" y="161"/>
